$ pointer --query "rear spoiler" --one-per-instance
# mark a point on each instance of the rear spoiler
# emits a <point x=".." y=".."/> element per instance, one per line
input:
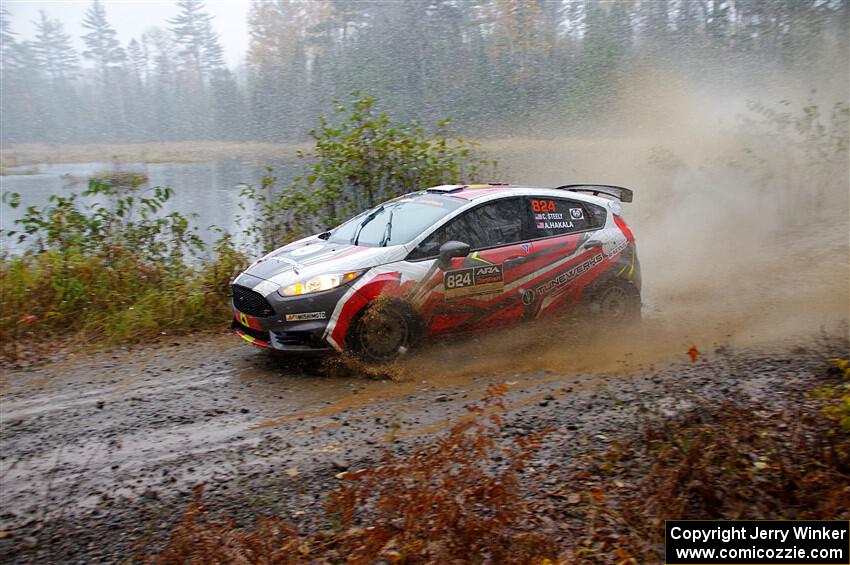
<point x="618" y="192"/>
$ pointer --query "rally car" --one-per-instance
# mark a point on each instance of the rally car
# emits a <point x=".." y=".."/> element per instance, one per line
<point x="451" y="259"/>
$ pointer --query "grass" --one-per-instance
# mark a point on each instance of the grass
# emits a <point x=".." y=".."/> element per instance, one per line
<point x="12" y="155"/>
<point x="105" y="299"/>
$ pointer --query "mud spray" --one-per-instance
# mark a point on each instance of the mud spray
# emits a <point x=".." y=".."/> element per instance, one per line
<point x="741" y="218"/>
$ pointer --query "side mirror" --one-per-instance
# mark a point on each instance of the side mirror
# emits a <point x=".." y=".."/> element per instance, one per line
<point x="452" y="249"/>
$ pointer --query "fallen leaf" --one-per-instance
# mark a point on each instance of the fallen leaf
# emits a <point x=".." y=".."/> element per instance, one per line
<point x="292" y="471"/>
<point x="693" y="353"/>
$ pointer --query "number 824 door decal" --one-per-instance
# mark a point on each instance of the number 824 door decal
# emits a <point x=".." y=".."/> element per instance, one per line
<point x="481" y="279"/>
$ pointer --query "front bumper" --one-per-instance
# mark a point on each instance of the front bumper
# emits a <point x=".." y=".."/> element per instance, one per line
<point x="283" y="340"/>
<point x="296" y="324"/>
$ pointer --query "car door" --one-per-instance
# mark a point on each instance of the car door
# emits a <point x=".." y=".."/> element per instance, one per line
<point x="472" y="293"/>
<point x="564" y="256"/>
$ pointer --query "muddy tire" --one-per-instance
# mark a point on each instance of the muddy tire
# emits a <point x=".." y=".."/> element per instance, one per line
<point x="383" y="332"/>
<point x="616" y="303"/>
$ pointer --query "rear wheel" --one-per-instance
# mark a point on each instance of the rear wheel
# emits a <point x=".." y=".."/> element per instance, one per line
<point x="616" y="303"/>
<point x="383" y="332"/>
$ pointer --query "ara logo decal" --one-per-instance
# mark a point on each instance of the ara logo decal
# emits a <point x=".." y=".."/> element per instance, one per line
<point x="576" y="213"/>
<point x="488" y="274"/>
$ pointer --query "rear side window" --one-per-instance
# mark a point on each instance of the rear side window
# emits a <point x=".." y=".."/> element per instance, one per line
<point x="598" y="215"/>
<point x="489" y="225"/>
<point x="558" y="216"/>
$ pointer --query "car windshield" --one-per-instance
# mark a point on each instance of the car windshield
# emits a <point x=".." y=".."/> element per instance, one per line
<point x="395" y="222"/>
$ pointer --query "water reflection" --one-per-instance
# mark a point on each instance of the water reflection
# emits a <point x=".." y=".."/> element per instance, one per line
<point x="209" y="189"/>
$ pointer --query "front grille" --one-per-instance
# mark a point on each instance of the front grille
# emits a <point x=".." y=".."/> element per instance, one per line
<point x="250" y="302"/>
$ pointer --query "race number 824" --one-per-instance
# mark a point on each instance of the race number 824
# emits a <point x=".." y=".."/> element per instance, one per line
<point x="543" y="206"/>
<point x="459" y="279"/>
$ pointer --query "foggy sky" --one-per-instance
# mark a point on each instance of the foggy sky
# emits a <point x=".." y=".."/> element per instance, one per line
<point x="130" y="18"/>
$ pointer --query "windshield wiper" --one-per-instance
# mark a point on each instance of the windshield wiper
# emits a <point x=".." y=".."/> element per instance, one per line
<point x="388" y="231"/>
<point x="365" y="221"/>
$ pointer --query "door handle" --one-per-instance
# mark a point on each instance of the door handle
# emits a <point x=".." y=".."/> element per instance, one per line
<point x="592" y="243"/>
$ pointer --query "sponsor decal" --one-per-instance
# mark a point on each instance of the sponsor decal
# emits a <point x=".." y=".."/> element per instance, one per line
<point x="526" y="247"/>
<point x="528" y="297"/>
<point x="473" y="280"/>
<point x="569" y="274"/>
<point x="576" y="213"/>
<point x="305" y="316"/>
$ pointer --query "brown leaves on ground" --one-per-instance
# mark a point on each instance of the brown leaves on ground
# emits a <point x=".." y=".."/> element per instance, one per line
<point x="730" y="462"/>
<point x="445" y="503"/>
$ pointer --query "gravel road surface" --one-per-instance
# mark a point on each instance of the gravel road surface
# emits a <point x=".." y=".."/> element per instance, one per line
<point x="100" y="453"/>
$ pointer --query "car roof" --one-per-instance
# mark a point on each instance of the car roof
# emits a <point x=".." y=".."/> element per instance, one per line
<point x="476" y="191"/>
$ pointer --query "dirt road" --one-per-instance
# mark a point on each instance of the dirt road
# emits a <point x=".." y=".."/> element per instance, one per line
<point x="100" y="454"/>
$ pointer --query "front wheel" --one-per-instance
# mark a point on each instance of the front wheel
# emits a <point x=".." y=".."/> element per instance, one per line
<point x="383" y="332"/>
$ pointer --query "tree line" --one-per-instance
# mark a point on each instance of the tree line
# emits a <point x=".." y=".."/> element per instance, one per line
<point x="493" y="65"/>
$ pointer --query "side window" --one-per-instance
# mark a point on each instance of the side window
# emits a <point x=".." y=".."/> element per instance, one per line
<point x="598" y="215"/>
<point x="489" y="225"/>
<point x="557" y="216"/>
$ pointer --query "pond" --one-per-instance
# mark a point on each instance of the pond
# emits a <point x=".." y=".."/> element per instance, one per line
<point x="209" y="189"/>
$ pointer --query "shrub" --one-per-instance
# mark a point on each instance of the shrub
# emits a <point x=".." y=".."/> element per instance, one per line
<point x="110" y="271"/>
<point x="359" y="161"/>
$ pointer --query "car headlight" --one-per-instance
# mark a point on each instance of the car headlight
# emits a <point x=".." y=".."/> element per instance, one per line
<point x="319" y="283"/>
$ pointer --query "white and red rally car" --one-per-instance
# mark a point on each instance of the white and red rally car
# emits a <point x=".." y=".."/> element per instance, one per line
<point x="446" y="260"/>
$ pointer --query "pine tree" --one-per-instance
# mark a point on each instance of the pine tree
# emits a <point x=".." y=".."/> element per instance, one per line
<point x="137" y="57"/>
<point x="53" y="49"/>
<point x="7" y="38"/>
<point x="200" y="48"/>
<point x="102" y="46"/>
<point x="212" y="54"/>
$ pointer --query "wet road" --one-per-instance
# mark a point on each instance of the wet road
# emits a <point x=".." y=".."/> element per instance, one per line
<point x="100" y="453"/>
